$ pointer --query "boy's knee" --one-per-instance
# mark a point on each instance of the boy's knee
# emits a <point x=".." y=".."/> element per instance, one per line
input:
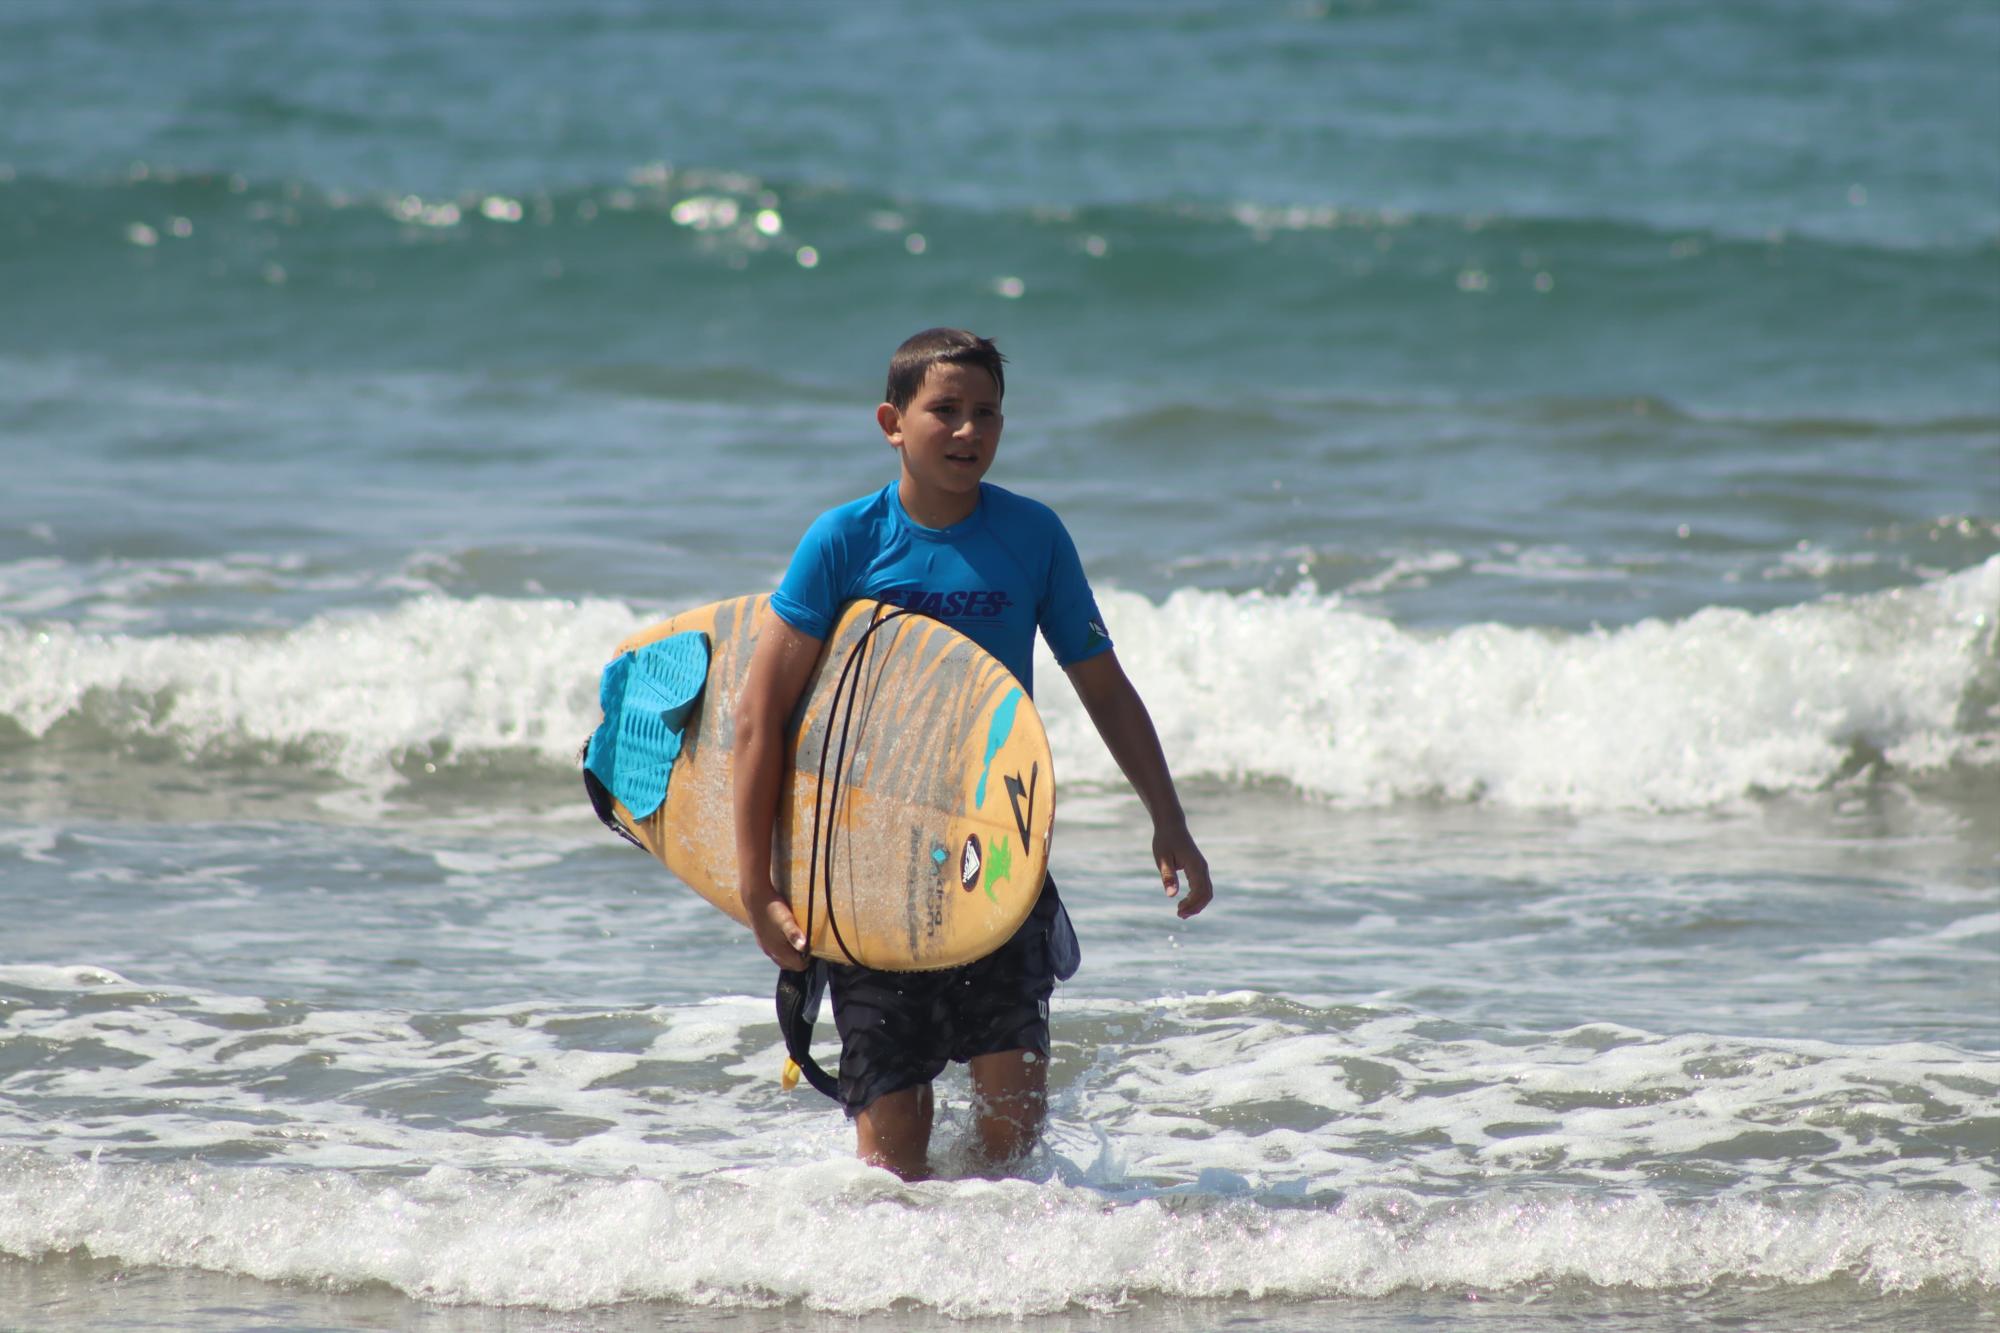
<point x="894" y="1131"/>
<point x="1008" y="1127"/>
<point x="1011" y="1106"/>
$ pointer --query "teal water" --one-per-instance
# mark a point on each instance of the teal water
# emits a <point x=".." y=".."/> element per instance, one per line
<point x="1540" y="462"/>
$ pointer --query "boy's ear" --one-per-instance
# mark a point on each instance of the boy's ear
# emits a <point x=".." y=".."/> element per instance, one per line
<point x="891" y="422"/>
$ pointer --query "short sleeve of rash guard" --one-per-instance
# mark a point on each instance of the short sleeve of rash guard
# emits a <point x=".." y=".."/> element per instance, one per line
<point x="1068" y="614"/>
<point x="815" y="583"/>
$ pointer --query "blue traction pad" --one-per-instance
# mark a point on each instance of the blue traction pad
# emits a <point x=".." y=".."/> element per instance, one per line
<point x="647" y="695"/>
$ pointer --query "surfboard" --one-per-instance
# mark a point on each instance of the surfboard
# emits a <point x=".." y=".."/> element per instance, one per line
<point x="914" y="825"/>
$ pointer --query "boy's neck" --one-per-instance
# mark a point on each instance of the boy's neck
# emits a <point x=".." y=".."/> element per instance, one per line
<point x="934" y="510"/>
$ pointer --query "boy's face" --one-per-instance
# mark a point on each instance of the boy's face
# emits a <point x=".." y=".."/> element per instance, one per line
<point x="949" y="432"/>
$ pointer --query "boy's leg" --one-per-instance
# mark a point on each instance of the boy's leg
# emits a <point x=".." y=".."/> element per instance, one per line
<point x="1003" y="1016"/>
<point x="894" y="1131"/>
<point x="890" y="1036"/>
<point x="898" y="1028"/>
<point x="1010" y="1096"/>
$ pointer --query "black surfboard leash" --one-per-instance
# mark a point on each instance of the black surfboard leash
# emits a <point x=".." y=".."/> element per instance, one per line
<point x="799" y="990"/>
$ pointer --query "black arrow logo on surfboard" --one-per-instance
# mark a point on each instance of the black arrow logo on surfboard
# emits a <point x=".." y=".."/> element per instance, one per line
<point x="1014" y="794"/>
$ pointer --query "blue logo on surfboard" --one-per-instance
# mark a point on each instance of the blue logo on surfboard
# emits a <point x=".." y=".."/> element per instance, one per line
<point x="997" y="732"/>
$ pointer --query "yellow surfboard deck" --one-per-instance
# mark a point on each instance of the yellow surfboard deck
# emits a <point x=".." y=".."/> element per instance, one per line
<point x="933" y="834"/>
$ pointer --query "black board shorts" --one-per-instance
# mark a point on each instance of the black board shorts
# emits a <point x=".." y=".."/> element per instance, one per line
<point x="900" y="1029"/>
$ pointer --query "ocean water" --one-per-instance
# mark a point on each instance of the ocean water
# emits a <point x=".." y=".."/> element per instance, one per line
<point x="1540" y="463"/>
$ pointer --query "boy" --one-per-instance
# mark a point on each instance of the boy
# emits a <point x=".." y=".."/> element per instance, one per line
<point x="940" y="528"/>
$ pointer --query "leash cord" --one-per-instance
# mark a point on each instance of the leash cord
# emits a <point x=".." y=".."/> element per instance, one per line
<point x="842" y="702"/>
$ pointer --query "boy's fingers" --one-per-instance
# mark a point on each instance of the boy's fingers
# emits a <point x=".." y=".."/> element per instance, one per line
<point x="1200" y="890"/>
<point x="780" y="916"/>
<point x="789" y="924"/>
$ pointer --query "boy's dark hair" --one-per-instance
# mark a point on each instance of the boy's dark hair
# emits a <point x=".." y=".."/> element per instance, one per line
<point x="957" y="347"/>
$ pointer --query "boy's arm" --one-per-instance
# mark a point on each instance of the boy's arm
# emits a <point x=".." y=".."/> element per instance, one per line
<point x="779" y="668"/>
<point x="1121" y="719"/>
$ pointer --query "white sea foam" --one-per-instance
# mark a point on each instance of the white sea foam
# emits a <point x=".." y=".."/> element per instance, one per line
<point x="1686" y="714"/>
<point x="841" y="1237"/>
<point x="361" y="692"/>
<point x="1283" y="1099"/>
<point x="1227" y="1145"/>
<point x="1334" y="700"/>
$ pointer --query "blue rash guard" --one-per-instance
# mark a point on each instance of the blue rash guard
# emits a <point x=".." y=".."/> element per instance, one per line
<point x="994" y="576"/>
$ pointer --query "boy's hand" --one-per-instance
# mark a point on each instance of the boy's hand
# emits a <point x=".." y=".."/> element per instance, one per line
<point x="777" y="930"/>
<point x="1175" y="853"/>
